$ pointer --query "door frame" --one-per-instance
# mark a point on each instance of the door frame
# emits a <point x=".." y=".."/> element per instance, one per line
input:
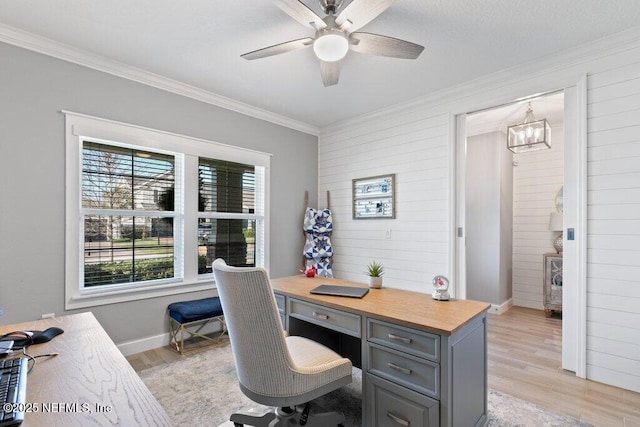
<point x="574" y="321"/>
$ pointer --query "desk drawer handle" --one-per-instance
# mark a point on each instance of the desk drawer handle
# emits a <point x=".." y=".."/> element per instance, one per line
<point x="401" y="339"/>
<point x="399" y="368"/>
<point x="398" y="420"/>
<point x="320" y="316"/>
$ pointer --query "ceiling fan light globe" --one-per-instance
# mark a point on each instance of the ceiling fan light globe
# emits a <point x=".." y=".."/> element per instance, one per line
<point x="331" y="47"/>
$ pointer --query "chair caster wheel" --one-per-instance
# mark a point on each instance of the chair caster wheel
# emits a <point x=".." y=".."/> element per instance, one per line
<point x="238" y="425"/>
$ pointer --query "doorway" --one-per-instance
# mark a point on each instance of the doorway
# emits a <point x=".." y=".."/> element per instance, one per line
<point x="510" y="233"/>
<point x="510" y="199"/>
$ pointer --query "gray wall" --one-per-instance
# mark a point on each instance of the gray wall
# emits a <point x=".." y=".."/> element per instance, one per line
<point x="489" y="210"/>
<point x="33" y="90"/>
<point x="506" y="220"/>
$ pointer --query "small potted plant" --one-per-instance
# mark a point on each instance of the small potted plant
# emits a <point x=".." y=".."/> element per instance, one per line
<point x="375" y="271"/>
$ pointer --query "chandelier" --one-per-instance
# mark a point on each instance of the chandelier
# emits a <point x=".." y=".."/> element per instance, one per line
<point x="529" y="135"/>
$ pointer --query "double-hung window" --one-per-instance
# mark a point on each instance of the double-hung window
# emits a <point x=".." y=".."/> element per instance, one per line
<point x="128" y="213"/>
<point x="230" y="219"/>
<point x="149" y="211"/>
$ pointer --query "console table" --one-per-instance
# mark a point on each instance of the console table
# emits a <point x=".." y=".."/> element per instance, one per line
<point x="424" y="362"/>
<point x="90" y="383"/>
<point x="552" y="288"/>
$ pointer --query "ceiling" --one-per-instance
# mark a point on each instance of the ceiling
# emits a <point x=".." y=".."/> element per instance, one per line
<point x="199" y="42"/>
<point x="549" y="107"/>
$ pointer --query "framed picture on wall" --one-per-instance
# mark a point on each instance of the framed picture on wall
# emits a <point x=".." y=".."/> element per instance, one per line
<point x="373" y="197"/>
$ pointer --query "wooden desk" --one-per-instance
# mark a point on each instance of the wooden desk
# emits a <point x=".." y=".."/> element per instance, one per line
<point x="88" y="383"/>
<point x="424" y="362"/>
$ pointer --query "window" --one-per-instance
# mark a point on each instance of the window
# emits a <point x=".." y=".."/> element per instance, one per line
<point x="128" y="233"/>
<point x="229" y="220"/>
<point x="149" y="211"/>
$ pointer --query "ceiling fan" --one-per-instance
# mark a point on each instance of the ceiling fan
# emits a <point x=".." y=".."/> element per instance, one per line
<point x="336" y="34"/>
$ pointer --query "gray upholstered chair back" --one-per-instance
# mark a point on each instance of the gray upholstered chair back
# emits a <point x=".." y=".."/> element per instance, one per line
<point x="255" y="330"/>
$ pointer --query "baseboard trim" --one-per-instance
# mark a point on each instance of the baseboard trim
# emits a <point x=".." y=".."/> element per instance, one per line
<point x="128" y="348"/>
<point x="501" y="308"/>
<point x="144" y="344"/>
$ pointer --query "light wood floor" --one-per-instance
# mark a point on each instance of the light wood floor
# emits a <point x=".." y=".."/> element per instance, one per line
<point x="524" y="361"/>
<point x="162" y="355"/>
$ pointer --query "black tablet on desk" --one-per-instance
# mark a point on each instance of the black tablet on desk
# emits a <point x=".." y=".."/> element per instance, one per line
<point x="340" y="291"/>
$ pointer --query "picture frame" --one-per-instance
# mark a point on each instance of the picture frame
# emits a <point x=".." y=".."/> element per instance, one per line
<point x="373" y="197"/>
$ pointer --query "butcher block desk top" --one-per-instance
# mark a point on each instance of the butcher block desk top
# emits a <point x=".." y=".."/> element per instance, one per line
<point x="399" y="306"/>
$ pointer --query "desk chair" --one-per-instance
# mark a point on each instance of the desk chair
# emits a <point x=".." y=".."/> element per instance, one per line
<point x="274" y="369"/>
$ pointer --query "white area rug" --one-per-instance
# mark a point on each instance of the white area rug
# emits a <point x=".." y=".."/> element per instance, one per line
<point x="202" y="390"/>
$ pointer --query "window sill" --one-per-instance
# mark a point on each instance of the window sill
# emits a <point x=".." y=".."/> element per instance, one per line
<point x="111" y="296"/>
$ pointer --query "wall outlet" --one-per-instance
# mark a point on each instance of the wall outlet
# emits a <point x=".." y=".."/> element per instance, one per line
<point x="387" y="233"/>
<point x="48" y="315"/>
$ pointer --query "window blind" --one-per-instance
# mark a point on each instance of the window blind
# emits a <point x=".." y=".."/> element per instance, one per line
<point x="227" y="222"/>
<point x="123" y="189"/>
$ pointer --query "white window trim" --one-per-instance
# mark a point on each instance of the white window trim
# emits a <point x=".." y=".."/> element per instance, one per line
<point x="80" y="126"/>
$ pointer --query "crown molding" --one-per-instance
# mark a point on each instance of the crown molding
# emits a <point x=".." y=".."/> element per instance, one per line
<point x="33" y="42"/>
<point x="606" y="46"/>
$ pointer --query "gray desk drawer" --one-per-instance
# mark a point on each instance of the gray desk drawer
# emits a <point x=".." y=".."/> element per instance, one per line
<point x="280" y="303"/>
<point x="337" y="320"/>
<point x="412" y="341"/>
<point x="409" y="371"/>
<point x="394" y="406"/>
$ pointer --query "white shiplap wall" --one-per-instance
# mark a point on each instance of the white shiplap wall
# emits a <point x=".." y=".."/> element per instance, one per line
<point x="536" y="181"/>
<point x="613" y="219"/>
<point x="412" y="141"/>
<point x="415" y="148"/>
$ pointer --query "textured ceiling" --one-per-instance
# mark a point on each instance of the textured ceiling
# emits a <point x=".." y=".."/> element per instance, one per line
<point x="199" y="42"/>
<point x="550" y="107"/>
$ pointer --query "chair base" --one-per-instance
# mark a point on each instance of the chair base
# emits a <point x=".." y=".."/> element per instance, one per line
<point x="278" y="418"/>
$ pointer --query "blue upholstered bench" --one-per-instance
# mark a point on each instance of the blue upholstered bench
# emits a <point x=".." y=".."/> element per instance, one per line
<point x="190" y="317"/>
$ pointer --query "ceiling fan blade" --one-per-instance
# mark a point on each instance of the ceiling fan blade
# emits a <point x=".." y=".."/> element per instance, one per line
<point x="278" y="49"/>
<point x="375" y="44"/>
<point x="360" y="12"/>
<point x="330" y="72"/>
<point x="301" y="13"/>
